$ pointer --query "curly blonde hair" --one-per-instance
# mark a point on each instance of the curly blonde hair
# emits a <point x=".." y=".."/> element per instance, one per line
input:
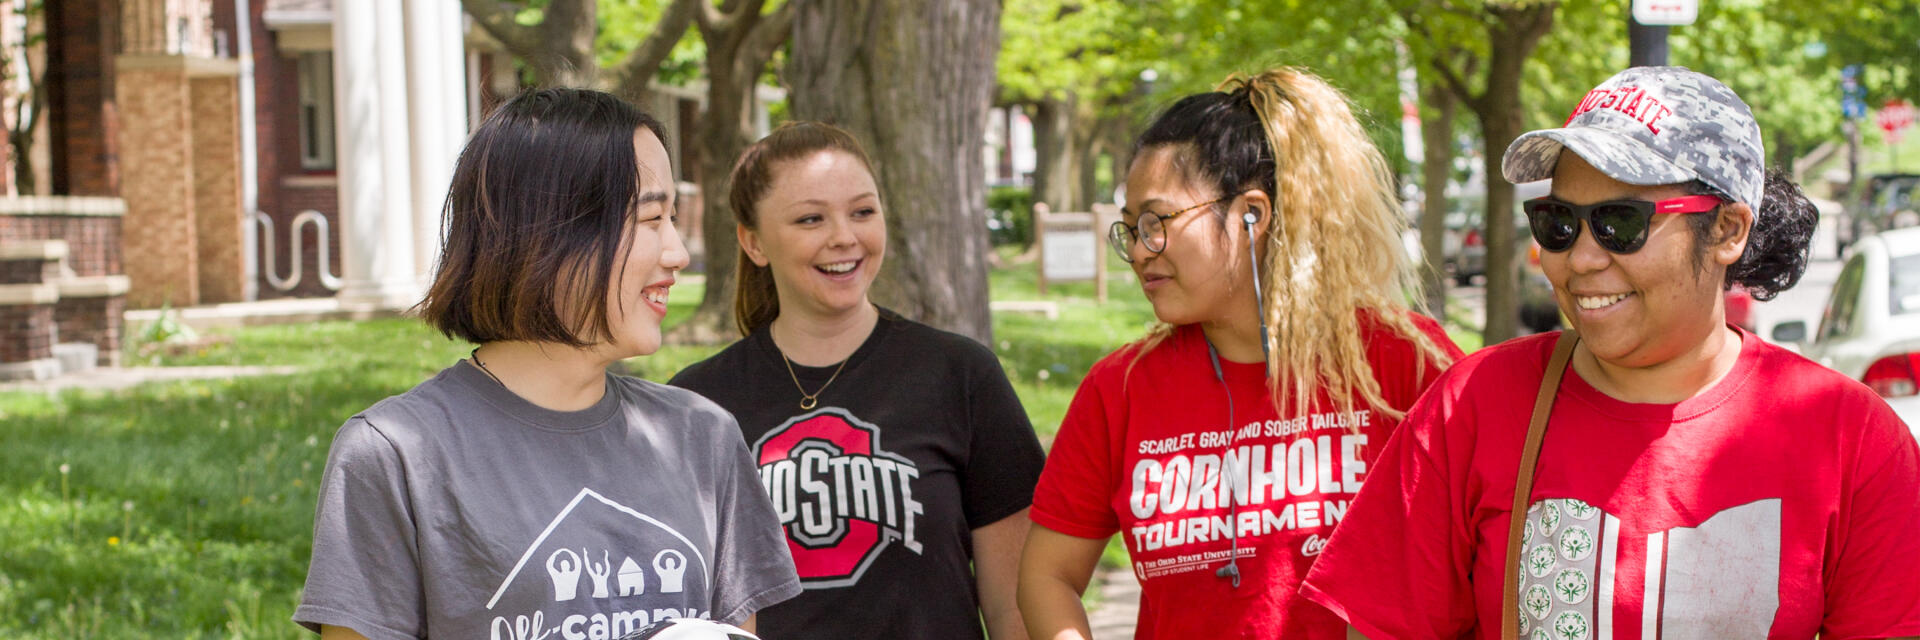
<point x="1332" y="249"/>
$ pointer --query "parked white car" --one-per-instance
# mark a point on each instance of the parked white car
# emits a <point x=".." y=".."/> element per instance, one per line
<point x="1870" y="329"/>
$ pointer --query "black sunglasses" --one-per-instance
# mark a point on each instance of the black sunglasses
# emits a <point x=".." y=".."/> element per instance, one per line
<point x="1619" y="226"/>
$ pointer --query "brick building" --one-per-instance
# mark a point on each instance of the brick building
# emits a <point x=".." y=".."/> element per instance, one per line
<point x="210" y="151"/>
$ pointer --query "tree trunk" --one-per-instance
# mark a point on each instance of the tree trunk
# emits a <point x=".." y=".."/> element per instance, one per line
<point x="739" y="45"/>
<point x="1512" y="34"/>
<point x="1436" y="136"/>
<point x="1056" y="168"/>
<point x="1086" y="156"/>
<point x="724" y="131"/>
<point x="1117" y="131"/>
<point x="913" y="80"/>
<point x="559" y="50"/>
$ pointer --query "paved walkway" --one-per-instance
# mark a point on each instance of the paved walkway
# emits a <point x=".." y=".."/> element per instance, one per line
<point x="110" y="378"/>
<point x="1113" y="618"/>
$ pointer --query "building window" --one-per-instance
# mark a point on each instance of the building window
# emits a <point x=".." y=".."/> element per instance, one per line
<point x="316" y="110"/>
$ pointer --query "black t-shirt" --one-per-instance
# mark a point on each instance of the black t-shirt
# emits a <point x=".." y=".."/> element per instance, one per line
<point x="919" y="441"/>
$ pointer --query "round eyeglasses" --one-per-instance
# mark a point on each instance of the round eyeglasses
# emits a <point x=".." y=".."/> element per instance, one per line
<point x="1150" y="229"/>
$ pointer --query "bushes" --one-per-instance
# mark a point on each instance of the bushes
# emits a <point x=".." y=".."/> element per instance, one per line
<point x="1010" y="215"/>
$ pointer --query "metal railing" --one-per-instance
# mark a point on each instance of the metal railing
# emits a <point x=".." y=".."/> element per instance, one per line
<point x="269" y="258"/>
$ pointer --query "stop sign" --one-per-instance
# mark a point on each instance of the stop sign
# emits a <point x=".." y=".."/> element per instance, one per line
<point x="1896" y="115"/>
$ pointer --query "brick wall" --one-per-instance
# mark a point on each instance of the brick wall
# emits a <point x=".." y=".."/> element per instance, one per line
<point x="29" y="271"/>
<point x="216" y="188"/>
<point x="160" y="229"/>
<point x="287" y="188"/>
<point x="26" y="332"/>
<point x="83" y="36"/>
<point x="297" y="195"/>
<point x="95" y="320"/>
<point x="93" y="242"/>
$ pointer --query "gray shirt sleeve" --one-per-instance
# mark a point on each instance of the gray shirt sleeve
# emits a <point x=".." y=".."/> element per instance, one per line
<point x="753" y="568"/>
<point x="364" y="573"/>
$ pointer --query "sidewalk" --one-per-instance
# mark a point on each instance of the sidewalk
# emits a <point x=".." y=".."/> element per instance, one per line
<point x="112" y="378"/>
<point x="1119" y="607"/>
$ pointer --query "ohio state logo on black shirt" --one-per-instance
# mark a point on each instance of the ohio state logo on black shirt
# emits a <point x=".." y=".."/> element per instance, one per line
<point x="840" y="497"/>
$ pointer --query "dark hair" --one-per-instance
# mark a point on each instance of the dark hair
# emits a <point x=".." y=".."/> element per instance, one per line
<point x="1229" y="146"/>
<point x="535" y="217"/>
<point x="1776" y="253"/>
<point x="1332" y="235"/>
<point x="755" y="300"/>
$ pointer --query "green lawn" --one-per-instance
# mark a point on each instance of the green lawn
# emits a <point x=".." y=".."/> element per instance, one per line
<point x="184" y="509"/>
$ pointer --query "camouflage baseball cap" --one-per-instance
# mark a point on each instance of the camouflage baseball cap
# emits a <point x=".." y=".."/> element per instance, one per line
<point x="1651" y="126"/>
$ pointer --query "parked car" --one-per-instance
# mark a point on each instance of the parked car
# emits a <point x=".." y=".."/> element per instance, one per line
<point x="1885" y="201"/>
<point x="1870" y="328"/>
<point x="1539" y="312"/>
<point x="1740" y="307"/>
<point x="1466" y="247"/>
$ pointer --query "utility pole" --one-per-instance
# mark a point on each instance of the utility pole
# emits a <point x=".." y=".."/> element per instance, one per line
<point x="1647" y="26"/>
<point x="1648" y="44"/>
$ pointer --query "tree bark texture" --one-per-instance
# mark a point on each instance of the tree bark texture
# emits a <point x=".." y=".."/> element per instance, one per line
<point x="1513" y="31"/>
<point x="1436" y="136"/>
<point x="1513" y="34"/>
<point x="740" y="43"/>
<point x="913" y="80"/>
<point x="1056" y="168"/>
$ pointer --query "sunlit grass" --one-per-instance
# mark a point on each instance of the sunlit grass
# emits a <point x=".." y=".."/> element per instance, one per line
<point x="185" y="508"/>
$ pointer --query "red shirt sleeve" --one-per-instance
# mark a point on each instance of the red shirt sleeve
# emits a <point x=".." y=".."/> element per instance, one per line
<point x="1076" y="487"/>
<point x="1384" y="582"/>
<point x="1873" y="572"/>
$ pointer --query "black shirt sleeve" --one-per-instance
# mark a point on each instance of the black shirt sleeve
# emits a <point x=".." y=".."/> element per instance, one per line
<point x="1003" y="455"/>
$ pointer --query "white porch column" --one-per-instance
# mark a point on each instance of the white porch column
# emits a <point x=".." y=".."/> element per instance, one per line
<point x="372" y="153"/>
<point x="436" y="63"/>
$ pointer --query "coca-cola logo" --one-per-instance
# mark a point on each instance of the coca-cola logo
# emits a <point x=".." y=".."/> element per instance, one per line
<point x="1313" y="545"/>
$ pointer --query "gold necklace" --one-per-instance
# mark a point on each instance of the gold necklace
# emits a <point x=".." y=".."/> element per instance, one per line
<point x="810" y="400"/>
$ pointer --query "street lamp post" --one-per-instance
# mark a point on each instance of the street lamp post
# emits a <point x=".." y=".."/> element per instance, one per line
<point x="1647" y="44"/>
<point x="1647" y="26"/>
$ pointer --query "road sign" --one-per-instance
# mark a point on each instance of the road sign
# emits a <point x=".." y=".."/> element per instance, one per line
<point x="1894" y="117"/>
<point x="1665" y="13"/>
<point x="1853" y="96"/>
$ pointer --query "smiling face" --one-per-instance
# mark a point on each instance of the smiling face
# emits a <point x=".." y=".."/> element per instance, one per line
<point x="1647" y="307"/>
<point x="1203" y="274"/>
<point x="649" y="256"/>
<point x="821" y="231"/>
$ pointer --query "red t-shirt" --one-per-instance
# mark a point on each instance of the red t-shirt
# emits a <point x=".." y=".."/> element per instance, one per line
<point x="1140" y="454"/>
<point x="1782" y="502"/>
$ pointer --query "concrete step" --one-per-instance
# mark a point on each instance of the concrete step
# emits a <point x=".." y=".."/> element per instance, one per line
<point x="76" y="356"/>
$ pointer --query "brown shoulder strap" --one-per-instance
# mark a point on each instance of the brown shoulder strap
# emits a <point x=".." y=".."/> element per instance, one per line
<point x="1523" y="482"/>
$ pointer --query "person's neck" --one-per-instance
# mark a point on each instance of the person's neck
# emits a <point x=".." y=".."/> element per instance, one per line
<point x="551" y="376"/>
<point x="817" y="340"/>
<point x="1237" y="338"/>
<point x="1670" y="382"/>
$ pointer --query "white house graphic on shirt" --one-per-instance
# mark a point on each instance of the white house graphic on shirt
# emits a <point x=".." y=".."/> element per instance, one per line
<point x="599" y="570"/>
<point x="1719" y="579"/>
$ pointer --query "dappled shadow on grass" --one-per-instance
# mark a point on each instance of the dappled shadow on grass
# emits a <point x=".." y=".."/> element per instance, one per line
<point x="182" y="503"/>
<point x="187" y="507"/>
<point x="220" y="474"/>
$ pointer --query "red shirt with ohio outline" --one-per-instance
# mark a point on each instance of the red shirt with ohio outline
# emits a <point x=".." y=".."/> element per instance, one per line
<point x="1141" y="454"/>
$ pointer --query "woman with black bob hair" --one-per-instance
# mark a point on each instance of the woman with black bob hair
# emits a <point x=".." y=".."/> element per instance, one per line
<point x="1654" y="471"/>
<point x="1224" y="445"/>
<point x="525" y="491"/>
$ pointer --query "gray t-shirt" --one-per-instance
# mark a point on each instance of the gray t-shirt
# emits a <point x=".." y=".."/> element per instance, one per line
<point x="460" y="510"/>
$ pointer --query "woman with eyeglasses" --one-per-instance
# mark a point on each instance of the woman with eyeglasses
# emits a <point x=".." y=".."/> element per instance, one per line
<point x="1684" y="479"/>
<point x="1225" y="445"/>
